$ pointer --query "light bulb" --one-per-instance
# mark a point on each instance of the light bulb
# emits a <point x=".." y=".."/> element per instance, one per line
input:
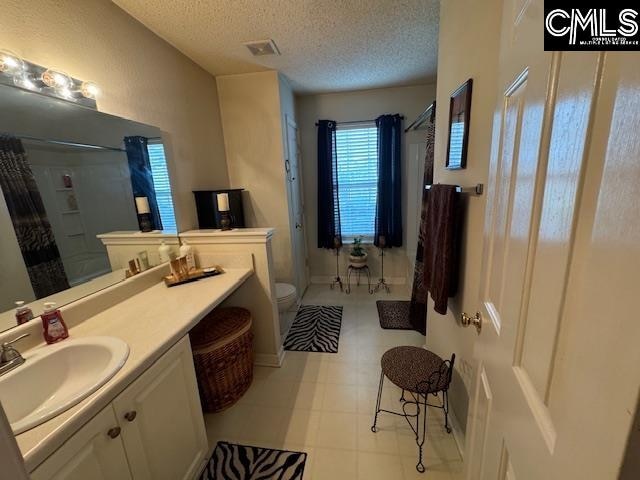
<point x="89" y="90"/>
<point x="10" y="63"/>
<point x="58" y="80"/>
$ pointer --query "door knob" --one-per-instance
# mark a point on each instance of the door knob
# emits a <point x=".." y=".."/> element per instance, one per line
<point x="114" y="432"/>
<point x="467" y="321"/>
<point x="130" y="416"/>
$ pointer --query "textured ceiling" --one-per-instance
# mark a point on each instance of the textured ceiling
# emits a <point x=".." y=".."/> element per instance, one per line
<point x="326" y="45"/>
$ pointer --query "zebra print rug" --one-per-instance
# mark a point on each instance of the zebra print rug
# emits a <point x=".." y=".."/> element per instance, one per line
<point x="316" y="328"/>
<point x="240" y="462"/>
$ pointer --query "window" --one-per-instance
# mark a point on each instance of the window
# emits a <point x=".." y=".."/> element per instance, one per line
<point x="357" y="156"/>
<point x="161" y="184"/>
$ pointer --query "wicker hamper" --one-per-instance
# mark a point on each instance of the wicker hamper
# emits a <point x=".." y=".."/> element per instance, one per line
<point x="223" y="357"/>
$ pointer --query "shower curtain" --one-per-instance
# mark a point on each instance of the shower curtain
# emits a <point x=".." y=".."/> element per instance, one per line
<point x="418" y="307"/>
<point x="32" y="228"/>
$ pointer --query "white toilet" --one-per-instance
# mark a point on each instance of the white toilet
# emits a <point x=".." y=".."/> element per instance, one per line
<point x="287" y="298"/>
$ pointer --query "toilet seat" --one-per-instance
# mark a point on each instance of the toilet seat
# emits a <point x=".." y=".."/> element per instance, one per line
<point x="285" y="292"/>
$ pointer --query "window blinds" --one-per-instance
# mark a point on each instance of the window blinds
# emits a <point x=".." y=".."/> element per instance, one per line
<point x="357" y="153"/>
<point x="162" y="186"/>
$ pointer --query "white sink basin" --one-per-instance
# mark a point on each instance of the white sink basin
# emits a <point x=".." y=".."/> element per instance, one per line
<point x="55" y="378"/>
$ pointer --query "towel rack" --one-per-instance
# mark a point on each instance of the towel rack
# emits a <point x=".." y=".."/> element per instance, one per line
<point x="478" y="189"/>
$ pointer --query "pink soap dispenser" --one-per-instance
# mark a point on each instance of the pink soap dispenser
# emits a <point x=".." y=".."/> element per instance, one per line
<point x="53" y="326"/>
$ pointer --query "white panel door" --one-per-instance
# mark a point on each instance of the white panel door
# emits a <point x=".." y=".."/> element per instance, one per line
<point x="296" y="208"/>
<point x="536" y="411"/>
<point x="94" y="452"/>
<point x="162" y="424"/>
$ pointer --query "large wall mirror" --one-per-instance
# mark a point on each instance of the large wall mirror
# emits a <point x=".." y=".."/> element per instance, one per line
<point x="69" y="173"/>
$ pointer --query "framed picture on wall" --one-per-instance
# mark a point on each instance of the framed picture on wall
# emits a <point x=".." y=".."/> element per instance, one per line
<point x="459" y="116"/>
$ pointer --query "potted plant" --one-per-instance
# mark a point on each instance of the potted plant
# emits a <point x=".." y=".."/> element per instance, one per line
<point x="357" y="255"/>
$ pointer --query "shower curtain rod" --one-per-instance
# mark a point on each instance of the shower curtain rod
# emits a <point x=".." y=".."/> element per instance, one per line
<point x="421" y="118"/>
<point x="68" y="144"/>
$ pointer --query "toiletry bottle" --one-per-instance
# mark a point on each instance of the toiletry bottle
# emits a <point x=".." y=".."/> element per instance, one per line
<point x="53" y="326"/>
<point x="165" y="252"/>
<point x="186" y="250"/>
<point x="23" y="313"/>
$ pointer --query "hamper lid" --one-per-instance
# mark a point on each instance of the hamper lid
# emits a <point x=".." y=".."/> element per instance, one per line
<point x="220" y="326"/>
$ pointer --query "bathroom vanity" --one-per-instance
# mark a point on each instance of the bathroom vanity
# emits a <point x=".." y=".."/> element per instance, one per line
<point x="153" y="429"/>
<point x="146" y="421"/>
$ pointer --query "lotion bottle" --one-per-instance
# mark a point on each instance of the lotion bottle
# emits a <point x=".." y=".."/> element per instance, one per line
<point x="186" y="250"/>
<point x="53" y="326"/>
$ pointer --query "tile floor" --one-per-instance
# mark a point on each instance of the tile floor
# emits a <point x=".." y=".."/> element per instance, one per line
<point x="323" y="404"/>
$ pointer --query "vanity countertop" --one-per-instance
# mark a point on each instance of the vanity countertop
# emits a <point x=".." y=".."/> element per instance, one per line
<point x="150" y="322"/>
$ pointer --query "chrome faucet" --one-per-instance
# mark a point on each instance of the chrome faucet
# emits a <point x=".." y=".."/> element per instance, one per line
<point x="10" y="358"/>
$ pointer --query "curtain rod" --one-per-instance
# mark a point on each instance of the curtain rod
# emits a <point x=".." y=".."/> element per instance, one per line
<point x="360" y="121"/>
<point x="68" y="144"/>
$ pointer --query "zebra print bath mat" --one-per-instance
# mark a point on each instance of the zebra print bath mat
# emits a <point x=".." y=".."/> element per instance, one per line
<point x="316" y="328"/>
<point x="241" y="462"/>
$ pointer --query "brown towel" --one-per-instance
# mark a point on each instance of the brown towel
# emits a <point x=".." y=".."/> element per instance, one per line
<point x="441" y="244"/>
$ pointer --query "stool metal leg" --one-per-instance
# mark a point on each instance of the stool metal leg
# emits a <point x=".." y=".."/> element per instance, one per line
<point x="375" y="419"/>
<point x="349" y="270"/>
<point x="402" y="399"/>
<point x="445" y="406"/>
<point x="421" y="438"/>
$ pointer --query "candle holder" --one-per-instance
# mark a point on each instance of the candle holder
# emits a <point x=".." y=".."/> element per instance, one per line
<point x="337" y="243"/>
<point x="144" y="220"/>
<point x="225" y="221"/>
<point x="382" y="283"/>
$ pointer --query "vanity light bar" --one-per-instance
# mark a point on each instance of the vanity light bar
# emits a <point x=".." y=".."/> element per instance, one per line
<point x="16" y="71"/>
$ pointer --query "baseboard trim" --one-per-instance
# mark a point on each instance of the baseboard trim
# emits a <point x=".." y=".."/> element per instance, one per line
<point x="269" y="359"/>
<point x="458" y="434"/>
<point x="327" y="279"/>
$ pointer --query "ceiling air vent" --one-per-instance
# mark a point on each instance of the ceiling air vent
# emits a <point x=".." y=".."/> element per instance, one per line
<point x="262" y="47"/>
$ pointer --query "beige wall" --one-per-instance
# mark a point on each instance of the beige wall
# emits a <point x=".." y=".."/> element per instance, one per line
<point x="351" y="106"/>
<point x="251" y="110"/>
<point x="141" y="76"/>
<point x="468" y="48"/>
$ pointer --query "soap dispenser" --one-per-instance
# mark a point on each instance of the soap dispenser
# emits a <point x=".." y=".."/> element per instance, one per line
<point x="165" y="252"/>
<point x="53" y="326"/>
<point x="186" y="251"/>
<point x="23" y="313"/>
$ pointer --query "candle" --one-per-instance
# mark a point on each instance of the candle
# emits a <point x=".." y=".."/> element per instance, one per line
<point x="223" y="202"/>
<point x="142" y="205"/>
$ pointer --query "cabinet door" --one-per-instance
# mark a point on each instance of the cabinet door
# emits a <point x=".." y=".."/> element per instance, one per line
<point x="161" y="419"/>
<point x="95" y="451"/>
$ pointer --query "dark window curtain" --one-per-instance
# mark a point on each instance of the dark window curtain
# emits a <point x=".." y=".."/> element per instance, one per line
<point x="389" y="203"/>
<point x="328" y="202"/>
<point x="418" y="307"/>
<point x="141" y="178"/>
<point x="30" y="223"/>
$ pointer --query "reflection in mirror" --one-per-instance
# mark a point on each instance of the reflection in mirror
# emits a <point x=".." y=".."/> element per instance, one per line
<point x="68" y="174"/>
<point x="459" y="116"/>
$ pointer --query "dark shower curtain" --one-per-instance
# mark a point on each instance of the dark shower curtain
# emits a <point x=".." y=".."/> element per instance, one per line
<point x="141" y="177"/>
<point x="418" y="307"/>
<point x="32" y="228"/>
<point x="328" y="202"/>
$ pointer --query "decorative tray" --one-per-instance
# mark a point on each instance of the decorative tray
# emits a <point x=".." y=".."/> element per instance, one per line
<point x="192" y="276"/>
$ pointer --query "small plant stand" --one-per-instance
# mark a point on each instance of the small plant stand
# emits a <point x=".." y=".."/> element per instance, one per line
<point x="358" y="272"/>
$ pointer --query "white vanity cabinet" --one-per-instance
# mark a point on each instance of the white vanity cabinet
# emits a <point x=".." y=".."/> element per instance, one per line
<point x="154" y="430"/>
<point x="90" y="453"/>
